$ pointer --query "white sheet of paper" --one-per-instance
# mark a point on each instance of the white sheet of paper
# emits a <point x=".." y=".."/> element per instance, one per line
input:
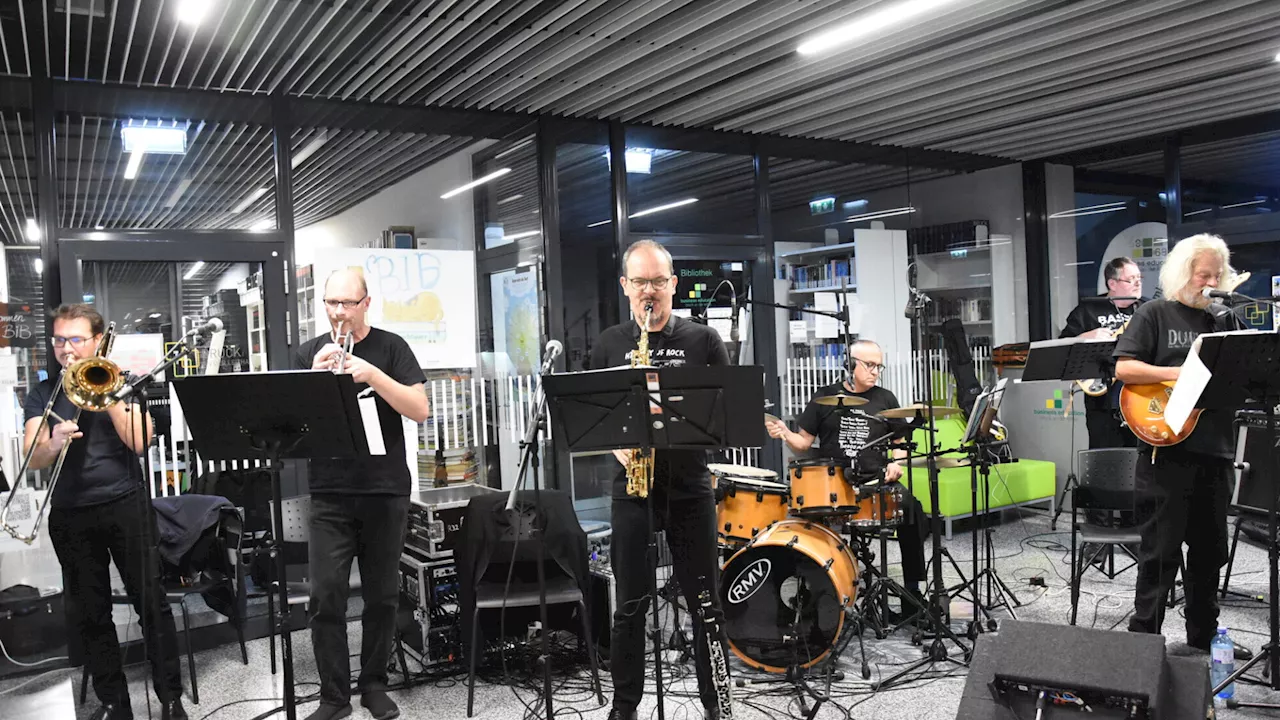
<point x="721" y="320"/>
<point x="372" y="426"/>
<point x="825" y="327"/>
<point x="798" y="330"/>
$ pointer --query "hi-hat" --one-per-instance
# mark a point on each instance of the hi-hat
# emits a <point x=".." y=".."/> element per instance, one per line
<point x="941" y="463"/>
<point x="841" y="400"/>
<point x="910" y="411"/>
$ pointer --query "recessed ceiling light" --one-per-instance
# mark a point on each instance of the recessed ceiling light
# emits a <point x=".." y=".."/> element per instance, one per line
<point x="34" y="233"/>
<point x="480" y="181"/>
<point x="309" y="149"/>
<point x="172" y="200"/>
<point x="192" y="12"/>
<point x="195" y="268"/>
<point x="135" y="163"/>
<point x="39" y="266"/>
<point x="249" y="199"/>
<point x="868" y="24"/>
<point x="262" y="225"/>
<point x="160" y="138"/>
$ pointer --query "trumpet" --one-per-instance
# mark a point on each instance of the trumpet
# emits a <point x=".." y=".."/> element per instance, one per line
<point x="90" y="384"/>
<point x="345" y="341"/>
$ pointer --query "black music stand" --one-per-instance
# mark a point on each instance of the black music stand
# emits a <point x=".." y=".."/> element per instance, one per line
<point x="274" y="415"/>
<point x="1068" y="359"/>
<point x="1246" y="371"/>
<point x="686" y="408"/>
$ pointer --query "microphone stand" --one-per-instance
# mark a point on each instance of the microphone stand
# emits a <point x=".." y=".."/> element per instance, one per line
<point x="529" y="458"/>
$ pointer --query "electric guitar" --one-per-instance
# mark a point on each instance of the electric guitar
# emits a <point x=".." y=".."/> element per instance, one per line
<point x="1097" y="387"/>
<point x="1142" y="407"/>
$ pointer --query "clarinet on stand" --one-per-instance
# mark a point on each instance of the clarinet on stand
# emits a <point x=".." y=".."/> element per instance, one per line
<point x="715" y="654"/>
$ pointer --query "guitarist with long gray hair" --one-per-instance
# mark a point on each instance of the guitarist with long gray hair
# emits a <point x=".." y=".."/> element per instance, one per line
<point x="1183" y="489"/>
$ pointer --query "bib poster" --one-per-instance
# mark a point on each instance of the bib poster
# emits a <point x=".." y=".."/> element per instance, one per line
<point x="427" y="297"/>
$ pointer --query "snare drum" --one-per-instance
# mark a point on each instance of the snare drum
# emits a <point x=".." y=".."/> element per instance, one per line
<point x="747" y="501"/>
<point x="878" y="506"/>
<point x="819" y="488"/>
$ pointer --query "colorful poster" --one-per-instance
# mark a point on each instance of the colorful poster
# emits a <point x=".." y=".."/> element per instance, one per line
<point x="17" y="326"/>
<point x="428" y="297"/>
<point x="522" y="342"/>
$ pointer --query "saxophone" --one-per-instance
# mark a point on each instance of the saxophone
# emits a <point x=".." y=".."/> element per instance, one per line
<point x="640" y="466"/>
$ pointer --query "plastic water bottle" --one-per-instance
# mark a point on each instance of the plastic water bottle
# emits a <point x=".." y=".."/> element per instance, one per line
<point x="1222" y="662"/>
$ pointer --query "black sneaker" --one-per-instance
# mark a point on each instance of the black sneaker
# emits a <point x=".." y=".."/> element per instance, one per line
<point x="113" y="711"/>
<point x="379" y="705"/>
<point x="619" y="714"/>
<point x="173" y="710"/>
<point x="330" y="712"/>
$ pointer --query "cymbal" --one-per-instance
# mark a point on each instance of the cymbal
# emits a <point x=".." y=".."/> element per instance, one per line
<point x="841" y="400"/>
<point x="910" y="411"/>
<point x="941" y="463"/>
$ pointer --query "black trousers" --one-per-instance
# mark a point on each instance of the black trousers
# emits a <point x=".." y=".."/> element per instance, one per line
<point x="86" y="540"/>
<point x="1182" y="498"/>
<point x="369" y="528"/>
<point x="911" y="536"/>
<point x="690" y="524"/>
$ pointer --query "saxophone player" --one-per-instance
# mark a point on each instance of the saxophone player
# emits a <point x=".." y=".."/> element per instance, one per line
<point x="681" y="492"/>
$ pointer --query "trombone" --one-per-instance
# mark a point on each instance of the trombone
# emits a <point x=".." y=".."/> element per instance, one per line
<point x="90" y="384"/>
<point x="346" y="341"/>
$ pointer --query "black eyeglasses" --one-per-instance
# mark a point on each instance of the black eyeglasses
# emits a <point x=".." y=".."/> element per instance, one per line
<point x="871" y="367"/>
<point x="348" y="304"/>
<point x="76" y="342"/>
<point x="658" y="283"/>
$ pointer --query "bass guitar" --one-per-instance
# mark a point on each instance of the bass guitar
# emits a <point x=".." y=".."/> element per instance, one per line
<point x="1097" y="387"/>
<point x="1142" y="407"/>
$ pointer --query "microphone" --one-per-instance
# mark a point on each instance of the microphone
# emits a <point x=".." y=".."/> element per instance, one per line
<point x="733" y="321"/>
<point x="552" y="351"/>
<point x="1228" y="296"/>
<point x="208" y="327"/>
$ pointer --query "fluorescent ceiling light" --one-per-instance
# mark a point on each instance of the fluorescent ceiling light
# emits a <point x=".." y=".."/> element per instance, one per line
<point x="660" y="208"/>
<point x="39" y="266"/>
<point x="512" y="149"/>
<point x="878" y="214"/>
<point x="192" y="12"/>
<point x="855" y="204"/>
<point x="34" y="234"/>
<point x="154" y="316"/>
<point x="491" y="176"/>
<point x="308" y="150"/>
<point x="650" y="211"/>
<point x="1079" y="264"/>
<point x="1089" y="210"/>
<point x="177" y="193"/>
<point x="195" y="268"/>
<point x="169" y="139"/>
<point x="639" y="160"/>
<point x="1243" y="204"/>
<point x="517" y="236"/>
<point x="1197" y="212"/>
<point x="249" y="199"/>
<point x="135" y="163"/>
<point x="99" y="227"/>
<point x="513" y="198"/>
<point x="869" y="24"/>
<point x="1277" y="57"/>
<point x="262" y="225"/>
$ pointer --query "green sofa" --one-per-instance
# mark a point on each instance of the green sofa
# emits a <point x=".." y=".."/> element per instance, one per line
<point x="1025" y="482"/>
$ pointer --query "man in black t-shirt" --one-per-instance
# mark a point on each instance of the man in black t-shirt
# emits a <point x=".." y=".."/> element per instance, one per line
<point x="844" y="433"/>
<point x="1182" y="490"/>
<point x="100" y="514"/>
<point x="1102" y="318"/>
<point x="359" y="507"/>
<point x="681" y="494"/>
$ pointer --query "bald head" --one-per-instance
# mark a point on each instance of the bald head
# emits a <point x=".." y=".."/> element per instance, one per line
<point x="345" y="276"/>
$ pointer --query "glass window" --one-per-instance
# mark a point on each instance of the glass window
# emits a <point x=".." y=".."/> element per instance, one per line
<point x="508" y="205"/>
<point x="589" y="254"/>
<point x="680" y="192"/>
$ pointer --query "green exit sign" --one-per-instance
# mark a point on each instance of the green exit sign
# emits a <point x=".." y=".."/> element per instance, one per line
<point x="822" y="206"/>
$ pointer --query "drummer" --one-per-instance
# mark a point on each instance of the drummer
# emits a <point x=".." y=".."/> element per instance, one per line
<point x="843" y="434"/>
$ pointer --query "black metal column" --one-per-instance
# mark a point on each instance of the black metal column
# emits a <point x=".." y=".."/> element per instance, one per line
<point x="621" y="208"/>
<point x="1036" y="226"/>
<point x="42" y="114"/>
<point x="764" y="329"/>
<point x="281" y="299"/>
<point x="1173" y="189"/>
<point x="552" y="275"/>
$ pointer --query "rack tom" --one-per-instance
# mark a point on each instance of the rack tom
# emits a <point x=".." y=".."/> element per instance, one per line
<point x="747" y="501"/>
<point x="819" y="488"/>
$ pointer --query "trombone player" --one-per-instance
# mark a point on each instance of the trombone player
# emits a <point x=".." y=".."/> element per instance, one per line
<point x="97" y="513"/>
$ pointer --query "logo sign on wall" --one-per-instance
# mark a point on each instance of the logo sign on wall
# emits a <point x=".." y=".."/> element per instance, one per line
<point x="1147" y="245"/>
<point x="428" y="297"/>
<point x="17" y="328"/>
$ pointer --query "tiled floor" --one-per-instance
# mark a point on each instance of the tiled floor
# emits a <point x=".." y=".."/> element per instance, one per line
<point x="1024" y="549"/>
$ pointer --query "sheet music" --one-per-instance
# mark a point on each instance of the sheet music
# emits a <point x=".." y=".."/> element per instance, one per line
<point x="372" y="425"/>
<point x="1191" y="383"/>
<point x="825" y="327"/>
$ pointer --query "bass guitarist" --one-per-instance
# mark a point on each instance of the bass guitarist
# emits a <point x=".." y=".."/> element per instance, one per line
<point x="1182" y="490"/>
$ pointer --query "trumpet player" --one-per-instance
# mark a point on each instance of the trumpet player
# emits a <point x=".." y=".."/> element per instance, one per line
<point x="681" y="494"/>
<point x="97" y="516"/>
<point x="359" y="507"/>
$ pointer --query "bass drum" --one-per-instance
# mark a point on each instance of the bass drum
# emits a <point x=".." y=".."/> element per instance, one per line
<point x="797" y="579"/>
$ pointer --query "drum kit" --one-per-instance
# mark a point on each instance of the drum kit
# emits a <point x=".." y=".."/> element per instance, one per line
<point x="791" y="578"/>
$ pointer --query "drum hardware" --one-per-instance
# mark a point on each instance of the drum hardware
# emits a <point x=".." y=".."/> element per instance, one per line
<point x="942" y="463"/>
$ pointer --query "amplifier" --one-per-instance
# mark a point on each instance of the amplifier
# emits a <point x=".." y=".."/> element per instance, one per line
<point x="436" y="516"/>
<point x="426" y="583"/>
<point x="603" y="602"/>
<point x="435" y="644"/>
<point x="1255" y="490"/>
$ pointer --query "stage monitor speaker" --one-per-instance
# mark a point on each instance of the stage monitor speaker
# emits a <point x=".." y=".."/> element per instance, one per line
<point x="1112" y="672"/>
<point x="1255" y="489"/>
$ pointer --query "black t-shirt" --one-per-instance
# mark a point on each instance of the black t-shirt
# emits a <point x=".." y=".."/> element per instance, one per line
<point x="1091" y="314"/>
<point x="680" y="342"/>
<point x="1161" y="334"/>
<point x="844" y="433"/>
<point x="376" y="474"/>
<point x="99" y="467"/>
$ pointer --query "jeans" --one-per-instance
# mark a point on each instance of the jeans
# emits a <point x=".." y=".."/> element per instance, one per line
<point x="343" y="527"/>
<point x="1182" y="497"/>
<point x="690" y="524"/>
<point x="86" y="539"/>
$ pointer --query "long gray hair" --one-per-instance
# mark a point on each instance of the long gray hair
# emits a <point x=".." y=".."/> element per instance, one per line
<point x="1175" y="274"/>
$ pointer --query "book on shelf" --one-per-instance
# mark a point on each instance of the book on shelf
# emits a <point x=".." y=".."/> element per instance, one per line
<point x="830" y="274"/>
